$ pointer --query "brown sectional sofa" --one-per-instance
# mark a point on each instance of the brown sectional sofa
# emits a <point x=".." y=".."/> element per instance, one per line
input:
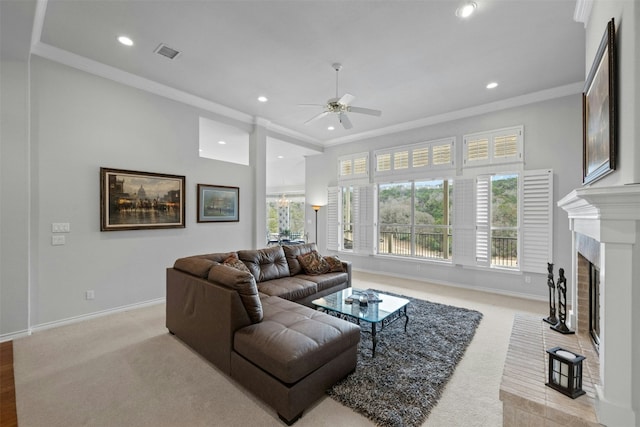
<point x="255" y="325"/>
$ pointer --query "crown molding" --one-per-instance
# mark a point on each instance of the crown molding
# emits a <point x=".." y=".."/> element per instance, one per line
<point x="94" y="67"/>
<point x="543" y="95"/>
<point x="582" y="11"/>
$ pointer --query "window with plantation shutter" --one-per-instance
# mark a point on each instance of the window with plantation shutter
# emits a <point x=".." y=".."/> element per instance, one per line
<point x="464" y="230"/>
<point x="333" y="219"/>
<point x="416" y="159"/>
<point x="442" y="154"/>
<point x="477" y="150"/>
<point x="483" y="225"/>
<point x="383" y="162"/>
<point x="420" y="157"/>
<point x="494" y="147"/>
<point x="353" y="167"/>
<point x="400" y="160"/>
<point x="537" y="220"/>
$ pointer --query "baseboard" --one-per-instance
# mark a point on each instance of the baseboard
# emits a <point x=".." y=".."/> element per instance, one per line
<point x="14" y="335"/>
<point x="81" y="318"/>
<point x="457" y="285"/>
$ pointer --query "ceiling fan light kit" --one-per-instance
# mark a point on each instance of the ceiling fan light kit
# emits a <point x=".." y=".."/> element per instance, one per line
<point x="341" y="105"/>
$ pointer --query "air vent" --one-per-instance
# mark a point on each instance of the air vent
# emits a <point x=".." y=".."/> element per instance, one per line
<point x="165" y="50"/>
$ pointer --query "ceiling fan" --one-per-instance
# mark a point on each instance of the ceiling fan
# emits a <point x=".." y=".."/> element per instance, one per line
<point x="341" y="106"/>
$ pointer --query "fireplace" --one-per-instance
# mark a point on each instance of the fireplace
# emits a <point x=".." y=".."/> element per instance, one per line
<point x="588" y="288"/>
<point x="605" y="222"/>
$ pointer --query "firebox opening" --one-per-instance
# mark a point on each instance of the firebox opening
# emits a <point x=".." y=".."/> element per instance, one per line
<point x="594" y="305"/>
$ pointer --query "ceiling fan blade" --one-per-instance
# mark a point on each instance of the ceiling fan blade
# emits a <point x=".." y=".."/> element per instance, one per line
<point x="346" y="123"/>
<point x="346" y="99"/>
<point x="368" y="111"/>
<point x="316" y="117"/>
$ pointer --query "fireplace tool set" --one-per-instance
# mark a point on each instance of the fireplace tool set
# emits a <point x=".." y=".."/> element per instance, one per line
<point x="558" y="323"/>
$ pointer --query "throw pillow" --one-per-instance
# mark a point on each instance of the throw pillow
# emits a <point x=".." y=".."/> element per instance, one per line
<point x="335" y="265"/>
<point x="313" y="263"/>
<point x="234" y="262"/>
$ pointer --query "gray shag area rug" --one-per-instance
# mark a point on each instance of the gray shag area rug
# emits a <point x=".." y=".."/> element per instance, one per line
<point x="402" y="384"/>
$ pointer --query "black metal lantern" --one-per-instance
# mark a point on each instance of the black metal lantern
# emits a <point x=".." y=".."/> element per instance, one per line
<point x="565" y="372"/>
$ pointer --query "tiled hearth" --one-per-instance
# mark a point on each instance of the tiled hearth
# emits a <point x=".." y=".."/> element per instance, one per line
<point x="526" y="400"/>
<point x="605" y="230"/>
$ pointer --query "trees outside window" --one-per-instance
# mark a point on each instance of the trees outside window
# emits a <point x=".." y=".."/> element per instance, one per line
<point x="414" y="219"/>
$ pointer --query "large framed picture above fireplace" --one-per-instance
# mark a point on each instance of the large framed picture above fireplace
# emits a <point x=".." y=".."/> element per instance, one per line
<point x="599" y="112"/>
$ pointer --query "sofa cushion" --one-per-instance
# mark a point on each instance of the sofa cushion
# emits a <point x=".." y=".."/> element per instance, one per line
<point x="242" y="282"/>
<point x="233" y="261"/>
<point x="335" y="265"/>
<point x="266" y="264"/>
<point x="291" y="288"/>
<point x="194" y="265"/>
<point x="293" y="251"/>
<point x="327" y="280"/>
<point x="293" y="340"/>
<point x="313" y="263"/>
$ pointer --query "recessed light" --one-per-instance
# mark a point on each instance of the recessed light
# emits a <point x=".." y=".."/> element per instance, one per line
<point x="492" y="85"/>
<point x="466" y="9"/>
<point x="222" y="142"/>
<point x="281" y="157"/>
<point x="330" y="128"/>
<point x="125" y="40"/>
<point x="263" y="99"/>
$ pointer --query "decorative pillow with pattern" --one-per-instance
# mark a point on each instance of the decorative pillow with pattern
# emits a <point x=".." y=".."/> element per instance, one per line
<point x="313" y="263"/>
<point x="335" y="265"/>
<point x="234" y="262"/>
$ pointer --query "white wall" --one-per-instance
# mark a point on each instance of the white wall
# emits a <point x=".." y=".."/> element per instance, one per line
<point x="552" y="139"/>
<point x="81" y="122"/>
<point x="15" y="37"/>
<point x="626" y="14"/>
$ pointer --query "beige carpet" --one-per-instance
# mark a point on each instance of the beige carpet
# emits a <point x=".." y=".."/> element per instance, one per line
<point x="126" y="370"/>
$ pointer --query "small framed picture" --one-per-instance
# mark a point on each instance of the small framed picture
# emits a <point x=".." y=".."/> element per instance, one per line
<point x="131" y="200"/>
<point x="217" y="203"/>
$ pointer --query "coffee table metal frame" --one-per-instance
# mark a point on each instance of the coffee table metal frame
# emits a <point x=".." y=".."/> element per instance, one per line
<point x="381" y="313"/>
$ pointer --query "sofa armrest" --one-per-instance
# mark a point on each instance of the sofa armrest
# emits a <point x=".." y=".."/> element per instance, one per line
<point x="347" y="267"/>
<point x="204" y="315"/>
<point x="242" y="282"/>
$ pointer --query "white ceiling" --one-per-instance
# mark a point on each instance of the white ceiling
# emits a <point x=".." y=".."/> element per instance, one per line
<point x="414" y="60"/>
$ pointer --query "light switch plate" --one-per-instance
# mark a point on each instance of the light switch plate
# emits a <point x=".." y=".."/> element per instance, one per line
<point x="58" y="240"/>
<point x="60" y="227"/>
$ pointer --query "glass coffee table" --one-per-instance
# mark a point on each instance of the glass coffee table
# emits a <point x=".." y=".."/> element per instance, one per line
<point x="381" y="313"/>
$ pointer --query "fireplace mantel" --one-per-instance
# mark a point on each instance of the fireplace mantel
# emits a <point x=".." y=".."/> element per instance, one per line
<point x="611" y="216"/>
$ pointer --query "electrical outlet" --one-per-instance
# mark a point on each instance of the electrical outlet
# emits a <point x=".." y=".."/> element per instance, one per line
<point x="527" y="279"/>
<point x="89" y="295"/>
<point x="58" y="240"/>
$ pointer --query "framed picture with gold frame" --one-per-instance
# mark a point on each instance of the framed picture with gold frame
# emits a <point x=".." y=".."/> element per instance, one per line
<point x="599" y="112"/>
<point x="132" y="200"/>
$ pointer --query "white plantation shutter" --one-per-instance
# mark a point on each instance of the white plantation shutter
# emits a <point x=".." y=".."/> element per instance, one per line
<point x="537" y="220"/>
<point x="363" y="215"/>
<point x="464" y="231"/>
<point x="494" y="147"/>
<point x="483" y="216"/>
<point x="477" y="150"/>
<point x="442" y="154"/>
<point x="333" y="219"/>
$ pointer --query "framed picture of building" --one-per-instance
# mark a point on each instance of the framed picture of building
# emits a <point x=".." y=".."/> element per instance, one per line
<point x="218" y="203"/>
<point x="599" y="112"/>
<point x="132" y="200"/>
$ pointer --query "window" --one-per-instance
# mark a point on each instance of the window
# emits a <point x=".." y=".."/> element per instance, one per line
<point x="350" y="226"/>
<point x="504" y="220"/>
<point x="355" y="166"/>
<point x="493" y="147"/>
<point x="285" y="217"/>
<point x="414" y="219"/>
<point x="415" y="159"/>
<point x="497" y="220"/>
